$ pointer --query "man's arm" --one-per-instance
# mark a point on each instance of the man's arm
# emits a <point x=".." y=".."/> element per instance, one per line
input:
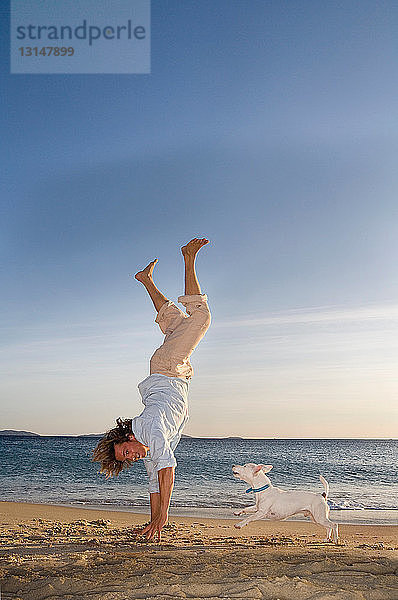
<point x="155" y="504"/>
<point x="166" y="484"/>
<point x="160" y="503"/>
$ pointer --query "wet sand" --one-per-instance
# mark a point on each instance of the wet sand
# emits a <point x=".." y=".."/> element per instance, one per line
<point x="53" y="552"/>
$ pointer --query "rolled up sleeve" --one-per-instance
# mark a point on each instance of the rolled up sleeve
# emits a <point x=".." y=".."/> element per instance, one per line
<point x="153" y="486"/>
<point x="161" y="456"/>
<point x="161" y="453"/>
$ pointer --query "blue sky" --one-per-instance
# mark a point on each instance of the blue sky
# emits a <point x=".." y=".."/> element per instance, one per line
<point x="268" y="127"/>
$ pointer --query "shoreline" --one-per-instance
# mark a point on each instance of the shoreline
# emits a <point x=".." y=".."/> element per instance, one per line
<point x="379" y="517"/>
<point x="49" y="551"/>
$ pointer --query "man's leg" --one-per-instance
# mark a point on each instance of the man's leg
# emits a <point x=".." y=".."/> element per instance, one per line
<point x="172" y="358"/>
<point x="145" y="277"/>
<point x="183" y="331"/>
<point x="189" y="253"/>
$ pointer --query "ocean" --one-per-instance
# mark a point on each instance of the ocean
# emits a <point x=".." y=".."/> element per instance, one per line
<point x="362" y="475"/>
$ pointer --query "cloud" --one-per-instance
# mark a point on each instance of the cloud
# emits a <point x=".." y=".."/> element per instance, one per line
<point x="323" y="314"/>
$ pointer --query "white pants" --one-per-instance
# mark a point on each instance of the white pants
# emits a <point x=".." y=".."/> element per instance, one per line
<point x="183" y="333"/>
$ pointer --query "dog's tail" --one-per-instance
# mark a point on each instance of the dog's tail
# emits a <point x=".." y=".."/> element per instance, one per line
<point x="325" y="494"/>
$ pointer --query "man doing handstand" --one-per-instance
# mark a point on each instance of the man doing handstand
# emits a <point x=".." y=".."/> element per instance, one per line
<point x="155" y="433"/>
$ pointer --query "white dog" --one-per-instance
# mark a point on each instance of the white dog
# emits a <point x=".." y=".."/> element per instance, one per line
<point x="275" y="504"/>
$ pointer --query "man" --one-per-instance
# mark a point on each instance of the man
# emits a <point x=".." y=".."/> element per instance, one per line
<point x="155" y="433"/>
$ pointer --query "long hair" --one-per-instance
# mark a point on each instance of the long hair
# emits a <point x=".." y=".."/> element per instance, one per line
<point x="104" y="453"/>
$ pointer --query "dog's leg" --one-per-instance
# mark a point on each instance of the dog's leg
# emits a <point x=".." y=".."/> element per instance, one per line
<point x="248" y="509"/>
<point x="255" y="517"/>
<point x="321" y="516"/>
<point x="336" y="533"/>
<point x="309" y="514"/>
<point x="332" y="528"/>
<point x="331" y="533"/>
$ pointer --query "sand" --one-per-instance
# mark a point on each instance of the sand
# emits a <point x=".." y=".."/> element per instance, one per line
<point x="52" y="552"/>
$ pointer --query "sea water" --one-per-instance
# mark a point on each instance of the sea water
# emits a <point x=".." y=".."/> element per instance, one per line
<point x="362" y="475"/>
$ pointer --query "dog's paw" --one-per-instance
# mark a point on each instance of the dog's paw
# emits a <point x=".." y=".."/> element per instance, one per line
<point x="238" y="526"/>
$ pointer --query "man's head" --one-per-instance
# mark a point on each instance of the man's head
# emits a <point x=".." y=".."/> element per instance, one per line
<point x="118" y="449"/>
<point x="131" y="450"/>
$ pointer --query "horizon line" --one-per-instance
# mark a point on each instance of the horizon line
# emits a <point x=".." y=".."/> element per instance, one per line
<point x="33" y="434"/>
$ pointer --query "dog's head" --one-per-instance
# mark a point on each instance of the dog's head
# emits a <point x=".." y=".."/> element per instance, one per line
<point x="251" y="473"/>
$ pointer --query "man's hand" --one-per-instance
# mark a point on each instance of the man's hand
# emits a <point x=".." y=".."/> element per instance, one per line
<point x="154" y="527"/>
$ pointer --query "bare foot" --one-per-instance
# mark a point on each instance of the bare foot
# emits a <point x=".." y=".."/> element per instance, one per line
<point x="193" y="247"/>
<point x="147" y="272"/>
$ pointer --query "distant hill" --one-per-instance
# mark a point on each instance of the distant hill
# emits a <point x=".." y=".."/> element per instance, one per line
<point x="19" y="433"/>
<point x="188" y="437"/>
<point x="15" y="432"/>
<point x="192" y="437"/>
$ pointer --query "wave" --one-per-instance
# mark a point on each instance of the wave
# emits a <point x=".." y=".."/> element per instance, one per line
<point x="206" y="504"/>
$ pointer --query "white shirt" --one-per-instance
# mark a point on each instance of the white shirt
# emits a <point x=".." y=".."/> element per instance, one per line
<point x="162" y="421"/>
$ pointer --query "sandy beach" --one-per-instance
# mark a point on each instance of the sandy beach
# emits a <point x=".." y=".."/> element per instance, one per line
<point x="50" y="552"/>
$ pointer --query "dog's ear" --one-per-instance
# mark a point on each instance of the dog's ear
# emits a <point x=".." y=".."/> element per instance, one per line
<point x="266" y="468"/>
<point x="257" y="469"/>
